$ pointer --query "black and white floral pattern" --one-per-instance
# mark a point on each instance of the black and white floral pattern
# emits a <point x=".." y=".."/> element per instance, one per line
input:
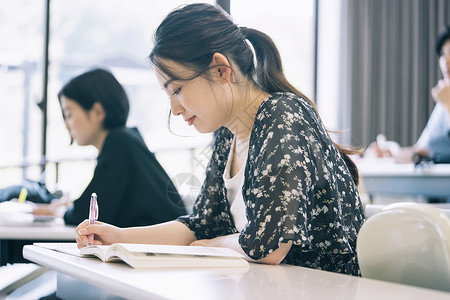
<point x="297" y="188"/>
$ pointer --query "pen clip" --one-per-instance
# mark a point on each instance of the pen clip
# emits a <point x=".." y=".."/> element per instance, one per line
<point x="96" y="209"/>
<point x="93" y="209"/>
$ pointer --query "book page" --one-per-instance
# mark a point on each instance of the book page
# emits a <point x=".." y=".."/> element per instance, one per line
<point x="177" y="257"/>
<point x="155" y="256"/>
<point x="101" y="251"/>
<point x="68" y="248"/>
<point x="179" y="250"/>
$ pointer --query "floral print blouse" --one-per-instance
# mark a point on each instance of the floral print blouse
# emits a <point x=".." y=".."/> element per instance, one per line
<point x="297" y="188"/>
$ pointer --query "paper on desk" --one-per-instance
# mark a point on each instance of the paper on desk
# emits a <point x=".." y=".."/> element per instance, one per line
<point x="13" y="213"/>
<point x="10" y="207"/>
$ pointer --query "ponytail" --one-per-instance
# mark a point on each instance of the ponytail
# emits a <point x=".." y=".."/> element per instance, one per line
<point x="269" y="68"/>
<point x="270" y="77"/>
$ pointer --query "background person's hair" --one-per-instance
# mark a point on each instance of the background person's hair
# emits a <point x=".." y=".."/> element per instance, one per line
<point x="441" y="38"/>
<point x="100" y="86"/>
<point x="191" y="34"/>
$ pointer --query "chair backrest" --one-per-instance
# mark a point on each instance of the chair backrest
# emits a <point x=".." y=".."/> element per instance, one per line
<point x="407" y="243"/>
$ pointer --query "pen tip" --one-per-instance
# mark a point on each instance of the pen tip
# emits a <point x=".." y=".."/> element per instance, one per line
<point x="89" y="244"/>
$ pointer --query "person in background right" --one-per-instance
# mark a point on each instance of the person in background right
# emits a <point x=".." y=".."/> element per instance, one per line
<point x="434" y="142"/>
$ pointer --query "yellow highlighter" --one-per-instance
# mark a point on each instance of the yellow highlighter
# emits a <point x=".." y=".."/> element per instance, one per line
<point x="23" y="195"/>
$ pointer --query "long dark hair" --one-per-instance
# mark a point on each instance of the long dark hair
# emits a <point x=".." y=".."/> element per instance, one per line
<point x="101" y="86"/>
<point x="192" y="34"/>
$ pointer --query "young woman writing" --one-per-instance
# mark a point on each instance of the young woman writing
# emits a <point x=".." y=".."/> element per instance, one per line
<point x="277" y="188"/>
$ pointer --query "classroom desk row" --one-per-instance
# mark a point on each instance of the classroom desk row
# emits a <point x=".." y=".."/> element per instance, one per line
<point x="13" y="238"/>
<point x="383" y="177"/>
<point x="90" y="278"/>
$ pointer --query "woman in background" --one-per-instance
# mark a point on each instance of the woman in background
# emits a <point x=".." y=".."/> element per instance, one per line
<point x="277" y="188"/>
<point x="132" y="187"/>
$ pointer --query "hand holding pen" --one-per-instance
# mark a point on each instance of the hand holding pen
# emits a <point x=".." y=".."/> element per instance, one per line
<point x="105" y="234"/>
<point x="93" y="215"/>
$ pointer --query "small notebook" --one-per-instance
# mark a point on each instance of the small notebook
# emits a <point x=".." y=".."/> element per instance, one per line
<point x="156" y="256"/>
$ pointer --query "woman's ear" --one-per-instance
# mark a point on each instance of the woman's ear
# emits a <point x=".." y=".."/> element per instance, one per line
<point x="220" y="66"/>
<point x="98" y="112"/>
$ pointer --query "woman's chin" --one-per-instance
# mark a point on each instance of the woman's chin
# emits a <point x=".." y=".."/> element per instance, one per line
<point x="202" y="131"/>
<point x="205" y="129"/>
<point x="81" y="143"/>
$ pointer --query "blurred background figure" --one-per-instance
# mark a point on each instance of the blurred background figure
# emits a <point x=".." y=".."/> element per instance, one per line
<point x="132" y="187"/>
<point x="434" y="142"/>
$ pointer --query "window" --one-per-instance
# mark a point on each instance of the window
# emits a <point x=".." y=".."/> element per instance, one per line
<point x="21" y="50"/>
<point x="117" y="35"/>
<point x="290" y="24"/>
<point x="85" y="34"/>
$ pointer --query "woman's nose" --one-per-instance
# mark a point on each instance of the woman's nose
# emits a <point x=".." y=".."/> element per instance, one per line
<point x="175" y="106"/>
<point x="66" y="123"/>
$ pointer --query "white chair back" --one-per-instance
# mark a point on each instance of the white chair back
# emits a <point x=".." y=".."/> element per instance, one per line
<point x="407" y="243"/>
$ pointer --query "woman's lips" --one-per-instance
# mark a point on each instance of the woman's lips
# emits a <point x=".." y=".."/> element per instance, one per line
<point x="190" y="121"/>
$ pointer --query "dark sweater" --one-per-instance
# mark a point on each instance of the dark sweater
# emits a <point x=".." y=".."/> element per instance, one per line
<point x="132" y="187"/>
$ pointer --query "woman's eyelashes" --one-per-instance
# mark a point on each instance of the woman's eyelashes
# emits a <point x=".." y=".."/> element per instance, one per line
<point x="177" y="91"/>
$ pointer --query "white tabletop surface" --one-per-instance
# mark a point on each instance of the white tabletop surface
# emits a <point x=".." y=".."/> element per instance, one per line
<point x="56" y="232"/>
<point x="383" y="167"/>
<point x="256" y="282"/>
<point x="388" y="178"/>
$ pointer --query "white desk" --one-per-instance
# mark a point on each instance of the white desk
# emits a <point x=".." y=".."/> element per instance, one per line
<point x="12" y="235"/>
<point x="89" y="278"/>
<point x="380" y="177"/>
<point x="38" y="233"/>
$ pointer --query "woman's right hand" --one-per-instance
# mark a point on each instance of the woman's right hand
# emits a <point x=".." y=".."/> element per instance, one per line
<point x="104" y="234"/>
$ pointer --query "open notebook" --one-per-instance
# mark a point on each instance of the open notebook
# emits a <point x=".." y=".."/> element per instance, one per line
<point x="155" y="256"/>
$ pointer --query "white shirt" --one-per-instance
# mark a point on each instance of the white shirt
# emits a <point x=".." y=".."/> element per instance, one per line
<point x="234" y="190"/>
<point x="436" y="136"/>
